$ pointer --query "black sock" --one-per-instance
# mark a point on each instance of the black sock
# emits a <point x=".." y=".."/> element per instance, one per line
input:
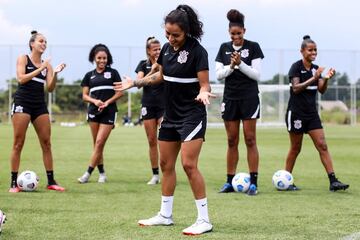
<point x="253" y="178"/>
<point x="101" y="168"/>
<point x="155" y="171"/>
<point x="90" y="170"/>
<point x="50" y="177"/>
<point x="13" y="183"/>
<point x="332" y="177"/>
<point x="230" y="178"/>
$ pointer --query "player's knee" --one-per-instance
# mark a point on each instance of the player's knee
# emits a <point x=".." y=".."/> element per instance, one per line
<point x="233" y="142"/>
<point x="18" y="144"/>
<point x="189" y="167"/>
<point x="250" y="142"/>
<point x="46" y="144"/>
<point x="152" y="141"/>
<point x="322" y="146"/>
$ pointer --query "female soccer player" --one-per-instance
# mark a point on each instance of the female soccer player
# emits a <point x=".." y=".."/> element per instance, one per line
<point x="29" y="106"/>
<point x="239" y="63"/>
<point x="98" y="91"/>
<point x="152" y="102"/>
<point x="183" y="67"/>
<point x="302" y="116"/>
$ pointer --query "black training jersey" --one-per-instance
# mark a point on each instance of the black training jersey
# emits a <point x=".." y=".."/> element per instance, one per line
<point x="181" y="84"/>
<point x="304" y="102"/>
<point x="237" y="84"/>
<point x="153" y="96"/>
<point x="101" y="87"/>
<point x="33" y="90"/>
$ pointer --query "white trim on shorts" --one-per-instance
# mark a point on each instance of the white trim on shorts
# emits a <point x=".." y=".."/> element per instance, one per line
<point x="180" y="80"/>
<point x="194" y="132"/>
<point x="289" y="120"/>
<point x="256" y="112"/>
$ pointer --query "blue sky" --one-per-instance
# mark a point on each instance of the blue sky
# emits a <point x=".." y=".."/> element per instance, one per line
<point x="275" y="24"/>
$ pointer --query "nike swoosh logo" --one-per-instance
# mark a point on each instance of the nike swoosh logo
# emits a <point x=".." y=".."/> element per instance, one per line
<point x="227" y="53"/>
<point x="165" y="201"/>
<point x="303" y="71"/>
<point x="148" y="67"/>
<point x="203" y="205"/>
<point x="30" y="67"/>
<point x="92" y="77"/>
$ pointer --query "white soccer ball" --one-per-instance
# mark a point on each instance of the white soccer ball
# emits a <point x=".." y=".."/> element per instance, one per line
<point x="282" y="179"/>
<point x="241" y="182"/>
<point x="27" y="181"/>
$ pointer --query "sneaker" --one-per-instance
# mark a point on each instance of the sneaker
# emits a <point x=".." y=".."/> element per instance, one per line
<point x="199" y="227"/>
<point x="154" y="180"/>
<point x="55" y="187"/>
<point x="158" y="220"/>
<point x="2" y="219"/>
<point x="102" y="178"/>
<point x="337" y="185"/>
<point x="84" y="178"/>
<point x="14" y="190"/>
<point x="226" y="188"/>
<point x="252" y="190"/>
<point x="292" y="187"/>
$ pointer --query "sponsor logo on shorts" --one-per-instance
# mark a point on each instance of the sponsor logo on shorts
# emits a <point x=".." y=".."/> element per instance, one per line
<point x="107" y="75"/>
<point x="19" y="109"/>
<point x="182" y="57"/>
<point x="91" y="115"/>
<point x="143" y="111"/>
<point x="297" y="124"/>
<point x="244" y="53"/>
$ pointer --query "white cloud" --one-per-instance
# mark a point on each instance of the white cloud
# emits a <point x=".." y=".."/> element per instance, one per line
<point x="12" y="33"/>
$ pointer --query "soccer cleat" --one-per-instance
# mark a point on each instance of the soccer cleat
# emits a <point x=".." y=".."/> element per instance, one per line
<point x="337" y="185"/>
<point x="55" y="187"/>
<point x="226" y="188"/>
<point x="252" y="190"/>
<point x="102" y="178"/>
<point x="84" y="178"/>
<point x="154" y="180"/>
<point x="2" y="219"/>
<point x="292" y="187"/>
<point x="14" y="190"/>
<point x="158" y="220"/>
<point x="199" y="227"/>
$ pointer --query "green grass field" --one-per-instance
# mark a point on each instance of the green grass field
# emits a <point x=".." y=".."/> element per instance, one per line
<point x="111" y="210"/>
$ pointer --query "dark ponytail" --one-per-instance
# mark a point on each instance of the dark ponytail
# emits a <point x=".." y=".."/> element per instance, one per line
<point x="100" y="48"/>
<point x="306" y="41"/>
<point x="187" y="19"/>
<point x="34" y="34"/>
<point x="235" y="18"/>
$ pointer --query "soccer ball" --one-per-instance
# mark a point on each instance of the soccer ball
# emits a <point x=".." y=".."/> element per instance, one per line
<point x="282" y="179"/>
<point x="241" y="182"/>
<point x="27" y="181"/>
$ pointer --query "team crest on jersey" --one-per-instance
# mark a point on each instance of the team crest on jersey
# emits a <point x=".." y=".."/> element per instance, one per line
<point x="43" y="72"/>
<point x="244" y="53"/>
<point x="222" y="108"/>
<point x="313" y="70"/>
<point x="19" y="109"/>
<point x="143" y="111"/>
<point x="182" y="56"/>
<point x="107" y="75"/>
<point x="297" y="124"/>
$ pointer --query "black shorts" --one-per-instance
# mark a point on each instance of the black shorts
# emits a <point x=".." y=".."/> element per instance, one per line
<point x="302" y="124"/>
<point x="106" y="117"/>
<point x="150" y="112"/>
<point x="245" y="109"/>
<point x="184" y="132"/>
<point x="34" y="110"/>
